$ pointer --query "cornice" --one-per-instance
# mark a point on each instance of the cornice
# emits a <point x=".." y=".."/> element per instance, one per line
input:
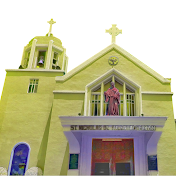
<point x="157" y="93"/>
<point x="112" y="120"/>
<point x="121" y="51"/>
<point x="68" y="92"/>
<point x="56" y="47"/>
<point x="41" y="45"/>
<point x="33" y="70"/>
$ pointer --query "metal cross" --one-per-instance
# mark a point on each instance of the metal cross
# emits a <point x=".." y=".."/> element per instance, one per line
<point x="114" y="31"/>
<point x="51" y="22"/>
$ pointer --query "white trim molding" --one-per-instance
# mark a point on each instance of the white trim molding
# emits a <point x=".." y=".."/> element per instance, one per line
<point x="58" y="48"/>
<point x="113" y="120"/>
<point x="33" y="70"/>
<point x="157" y="93"/>
<point x="115" y="75"/>
<point x="31" y="58"/>
<point x="68" y="92"/>
<point x="42" y="45"/>
<point x="143" y="140"/>
<point x="121" y="51"/>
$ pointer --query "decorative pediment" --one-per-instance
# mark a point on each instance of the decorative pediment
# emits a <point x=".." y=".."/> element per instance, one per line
<point x="118" y="77"/>
<point x="121" y="51"/>
<point x="130" y="95"/>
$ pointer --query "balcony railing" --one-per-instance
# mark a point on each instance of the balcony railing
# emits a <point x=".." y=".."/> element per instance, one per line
<point x="95" y="105"/>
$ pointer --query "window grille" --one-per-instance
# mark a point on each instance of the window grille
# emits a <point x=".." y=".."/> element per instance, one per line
<point x="96" y="99"/>
<point x="130" y="105"/>
<point x="95" y="104"/>
<point x="121" y="105"/>
<point x="33" y="85"/>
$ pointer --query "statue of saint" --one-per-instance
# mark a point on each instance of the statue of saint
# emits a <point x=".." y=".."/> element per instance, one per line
<point x="112" y="96"/>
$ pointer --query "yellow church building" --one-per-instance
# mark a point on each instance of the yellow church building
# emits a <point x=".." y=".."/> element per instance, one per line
<point x="58" y="123"/>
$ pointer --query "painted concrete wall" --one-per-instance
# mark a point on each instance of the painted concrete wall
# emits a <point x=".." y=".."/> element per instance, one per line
<point x="25" y="117"/>
<point x="34" y="118"/>
<point x="101" y="66"/>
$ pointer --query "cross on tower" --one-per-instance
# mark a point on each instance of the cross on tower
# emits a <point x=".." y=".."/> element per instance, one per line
<point x="51" y="22"/>
<point x="114" y="31"/>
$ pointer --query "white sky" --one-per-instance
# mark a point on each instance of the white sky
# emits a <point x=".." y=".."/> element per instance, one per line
<point x="148" y="30"/>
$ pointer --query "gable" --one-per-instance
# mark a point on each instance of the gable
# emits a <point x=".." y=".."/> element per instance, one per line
<point x="128" y="66"/>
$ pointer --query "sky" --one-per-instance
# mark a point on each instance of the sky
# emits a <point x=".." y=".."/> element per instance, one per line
<point x="148" y="30"/>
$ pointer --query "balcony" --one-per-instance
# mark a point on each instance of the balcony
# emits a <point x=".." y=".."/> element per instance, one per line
<point x="95" y="105"/>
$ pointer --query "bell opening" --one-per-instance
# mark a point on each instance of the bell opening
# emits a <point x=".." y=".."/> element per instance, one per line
<point x="41" y="59"/>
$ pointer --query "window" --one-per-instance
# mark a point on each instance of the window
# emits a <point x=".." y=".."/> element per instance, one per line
<point x="41" y="59"/>
<point x="96" y="104"/>
<point x="19" y="159"/>
<point x="121" y="105"/>
<point x="96" y="101"/>
<point x="33" y="85"/>
<point x="55" y="58"/>
<point x="130" y="104"/>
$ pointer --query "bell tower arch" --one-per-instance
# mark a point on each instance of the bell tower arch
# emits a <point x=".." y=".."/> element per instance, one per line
<point x="45" y="52"/>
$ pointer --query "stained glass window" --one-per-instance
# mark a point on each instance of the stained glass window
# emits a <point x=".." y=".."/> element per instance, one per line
<point x="19" y="160"/>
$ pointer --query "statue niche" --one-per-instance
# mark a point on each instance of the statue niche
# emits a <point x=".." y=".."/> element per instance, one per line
<point x="112" y="96"/>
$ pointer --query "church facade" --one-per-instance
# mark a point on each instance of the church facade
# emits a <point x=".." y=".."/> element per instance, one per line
<point x="60" y="122"/>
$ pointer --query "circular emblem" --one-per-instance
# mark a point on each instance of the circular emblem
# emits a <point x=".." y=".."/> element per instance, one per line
<point x="113" y="60"/>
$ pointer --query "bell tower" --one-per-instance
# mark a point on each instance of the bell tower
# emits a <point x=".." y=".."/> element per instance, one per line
<point x="45" y="52"/>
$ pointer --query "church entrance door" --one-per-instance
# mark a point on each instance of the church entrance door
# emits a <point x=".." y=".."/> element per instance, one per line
<point x="112" y="157"/>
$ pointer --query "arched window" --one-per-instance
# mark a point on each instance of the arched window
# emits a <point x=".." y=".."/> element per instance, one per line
<point x="19" y="159"/>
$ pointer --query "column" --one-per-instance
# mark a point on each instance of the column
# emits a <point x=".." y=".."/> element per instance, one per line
<point x="23" y="57"/>
<point x="140" y="102"/>
<point x="49" y="54"/>
<point x="113" y="80"/>
<point x="137" y="103"/>
<point x="124" y="99"/>
<point x="102" y="99"/>
<point x="63" y="60"/>
<point x="66" y="65"/>
<point x="85" y="101"/>
<point x="89" y="94"/>
<point x="32" y="54"/>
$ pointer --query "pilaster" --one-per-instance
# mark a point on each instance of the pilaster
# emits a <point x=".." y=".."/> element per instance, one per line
<point x="113" y="80"/>
<point x="66" y="65"/>
<point x="124" y="99"/>
<point x="23" y="56"/>
<point x="49" y="54"/>
<point x="85" y="101"/>
<point x="63" y="61"/>
<point x="32" y="53"/>
<point x="102" y="99"/>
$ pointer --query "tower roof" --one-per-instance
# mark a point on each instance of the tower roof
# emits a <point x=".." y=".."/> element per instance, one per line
<point x="49" y="36"/>
<point x="46" y="39"/>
